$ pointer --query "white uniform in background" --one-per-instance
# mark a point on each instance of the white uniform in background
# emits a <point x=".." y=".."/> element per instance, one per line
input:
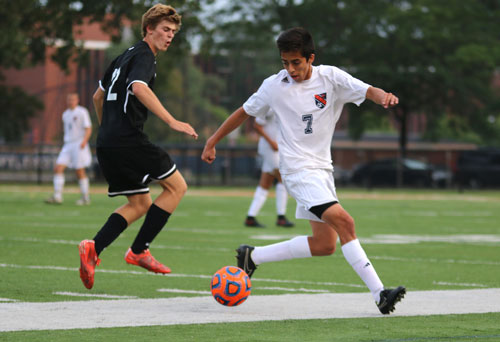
<point x="270" y="165"/>
<point x="75" y="122"/>
<point x="270" y="157"/>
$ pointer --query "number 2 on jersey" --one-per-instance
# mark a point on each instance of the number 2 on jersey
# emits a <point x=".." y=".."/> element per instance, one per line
<point x="112" y="96"/>
<point x="308" y="118"/>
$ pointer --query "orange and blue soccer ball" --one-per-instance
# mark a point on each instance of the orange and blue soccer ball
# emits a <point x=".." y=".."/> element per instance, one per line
<point x="230" y="286"/>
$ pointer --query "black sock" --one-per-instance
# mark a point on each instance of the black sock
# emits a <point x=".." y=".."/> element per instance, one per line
<point x="155" y="219"/>
<point x="281" y="217"/>
<point x="115" y="225"/>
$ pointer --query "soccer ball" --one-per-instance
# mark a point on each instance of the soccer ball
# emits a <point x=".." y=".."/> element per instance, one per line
<point x="230" y="286"/>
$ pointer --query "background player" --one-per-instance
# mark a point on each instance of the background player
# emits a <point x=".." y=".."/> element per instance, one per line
<point x="268" y="151"/>
<point x="126" y="157"/>
<point x="308" y="101"/>
<point x="75" y="152"/>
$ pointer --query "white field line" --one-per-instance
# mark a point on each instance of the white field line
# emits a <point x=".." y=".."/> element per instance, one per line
<point x="92" y="295"/>
<point x="287" y="289"/>
<point x="444" y="283"/>
<point x="374" y="257"/>
<point x="184" y="291"/>
<point x="75" y="243"/>
<point x="238" y="192"/>
<point x="175" y="275"/>
<point x="485" y="239"/>
<point x="8" y="300"/>
<point x="438" y="261"/>
<point x="389" y="239"/>
<point x="198" y="310"/>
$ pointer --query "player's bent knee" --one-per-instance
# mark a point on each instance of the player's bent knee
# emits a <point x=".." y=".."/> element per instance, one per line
<point x="329" y="249"/>
<point x="324" y="251"/>
<point x="182" y="188"/>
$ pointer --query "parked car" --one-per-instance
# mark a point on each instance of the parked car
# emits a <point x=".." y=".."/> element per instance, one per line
<point x="478" y="169"/>
<point x="383" y="172"/>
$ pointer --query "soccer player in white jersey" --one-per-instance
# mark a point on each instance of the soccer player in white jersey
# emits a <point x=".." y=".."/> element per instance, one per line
<point x="268" y="151"/>
<point x="308" y="101"/>
<point x="75" y="153"/>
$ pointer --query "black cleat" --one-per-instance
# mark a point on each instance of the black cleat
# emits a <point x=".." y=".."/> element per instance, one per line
<point x="251" y="221"/>
<point x="282" y="221"/>
<point x="245" y="260"/>
<point x="389" y="298"/>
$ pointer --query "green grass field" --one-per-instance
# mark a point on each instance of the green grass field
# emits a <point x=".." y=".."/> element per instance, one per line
<point x="425" y="240"/>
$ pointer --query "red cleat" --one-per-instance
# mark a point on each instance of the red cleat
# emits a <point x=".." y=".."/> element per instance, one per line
<point x="146" y="260"/>
<point x="88" y="262"/>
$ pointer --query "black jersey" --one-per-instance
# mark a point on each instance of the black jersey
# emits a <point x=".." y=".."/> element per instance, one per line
<point x="123" y="114"/>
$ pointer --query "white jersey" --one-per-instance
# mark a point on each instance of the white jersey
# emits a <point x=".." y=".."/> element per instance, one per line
<point x="75" y="122"/>
<point x="306" y="113"/>
<point x="269" y="125"/>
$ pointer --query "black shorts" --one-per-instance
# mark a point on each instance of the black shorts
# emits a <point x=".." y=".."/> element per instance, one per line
<point x="128" y="170"/>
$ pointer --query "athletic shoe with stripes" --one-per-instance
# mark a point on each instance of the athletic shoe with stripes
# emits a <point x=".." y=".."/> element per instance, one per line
<point x="146" y="260"/>
<point x="389" y="298"/>
<point x="88" y="262"/>
<point x="244" y="258"/>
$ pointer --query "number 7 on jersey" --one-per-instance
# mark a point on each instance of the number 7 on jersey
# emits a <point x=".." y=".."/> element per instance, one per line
<point x="308" y="118"/>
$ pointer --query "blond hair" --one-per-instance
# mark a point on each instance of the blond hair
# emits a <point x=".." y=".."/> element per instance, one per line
<point x="158" y="13"/>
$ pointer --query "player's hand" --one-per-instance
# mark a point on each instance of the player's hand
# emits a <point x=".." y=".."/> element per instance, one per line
<point x="274" y="145"/>
<point x="82" y="145"/>
<point x="389" y="100"/>
<point x="184" y="127"/>
<point x="208" y="154"/>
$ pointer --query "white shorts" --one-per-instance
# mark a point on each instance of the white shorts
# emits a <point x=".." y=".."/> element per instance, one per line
<point x="74" y="157"/>
<point x="310" y="188"/>
<point x="270" y="158"/>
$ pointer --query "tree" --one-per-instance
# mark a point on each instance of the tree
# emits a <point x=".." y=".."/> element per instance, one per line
<point x="439" y="57"/>
<point x="29" y="27"/>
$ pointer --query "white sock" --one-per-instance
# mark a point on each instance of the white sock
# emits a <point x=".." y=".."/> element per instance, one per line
<point x="58" y="186"/>
<point x="356" y="257"/>
<point x="281" y="199"/>
<point x="259" y="198"/>
<point x="298" y="247"/>
<point x="84" y="187"/>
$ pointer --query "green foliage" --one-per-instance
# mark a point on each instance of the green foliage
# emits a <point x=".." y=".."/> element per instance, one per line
<point x="439" y="57"/>
<point x="17" y="108"/>
<point x="186" y="91"/>
<point x="188" y="94"/>
<point x="240" y="44"/>
<point x="30" y="27"/>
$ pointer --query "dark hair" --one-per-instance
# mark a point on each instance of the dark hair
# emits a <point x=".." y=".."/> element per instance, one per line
<point x="296" y="39"/>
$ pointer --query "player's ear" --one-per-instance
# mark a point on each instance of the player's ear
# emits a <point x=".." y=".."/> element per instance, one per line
<point x="149" y="28"/>
<point x="311" y="58"/>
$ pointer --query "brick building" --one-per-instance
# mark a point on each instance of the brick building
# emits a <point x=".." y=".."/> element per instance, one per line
<point x="51" y="84"/>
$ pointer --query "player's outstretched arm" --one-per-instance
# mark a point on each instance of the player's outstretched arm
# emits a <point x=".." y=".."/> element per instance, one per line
<point x="381" y="97"/>
<point x="232" y="122"/>
<point x="151" y="101"/>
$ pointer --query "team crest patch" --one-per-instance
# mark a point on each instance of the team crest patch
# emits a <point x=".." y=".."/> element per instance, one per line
<point x="320" y="100"/>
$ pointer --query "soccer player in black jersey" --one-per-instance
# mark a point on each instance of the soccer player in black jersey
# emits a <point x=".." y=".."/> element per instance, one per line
<point x="126" y="157"/>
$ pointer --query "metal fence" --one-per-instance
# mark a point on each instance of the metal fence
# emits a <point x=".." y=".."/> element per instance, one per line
<point x="236" y="165"/>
